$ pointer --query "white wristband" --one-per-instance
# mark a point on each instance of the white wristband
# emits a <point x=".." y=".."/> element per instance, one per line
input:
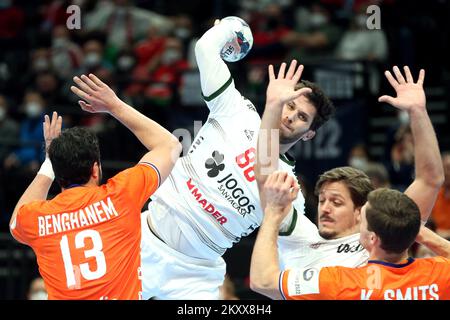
<point x="47" y="169"/>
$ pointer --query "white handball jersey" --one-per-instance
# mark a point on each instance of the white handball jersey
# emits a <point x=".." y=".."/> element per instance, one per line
<point x="302" y="247"/>
<point x="211" y="192"/>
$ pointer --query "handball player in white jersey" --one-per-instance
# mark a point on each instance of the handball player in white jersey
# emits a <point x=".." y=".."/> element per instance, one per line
<point x="210" y="200"/>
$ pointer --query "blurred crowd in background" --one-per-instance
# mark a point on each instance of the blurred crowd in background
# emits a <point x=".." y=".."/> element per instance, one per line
<point x="144" y="50"/>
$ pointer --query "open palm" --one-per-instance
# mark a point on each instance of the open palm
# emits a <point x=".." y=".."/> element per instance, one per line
<point x="281" y="89"/>
<point x="99" y="97"/>
<point x="410" y="94"/>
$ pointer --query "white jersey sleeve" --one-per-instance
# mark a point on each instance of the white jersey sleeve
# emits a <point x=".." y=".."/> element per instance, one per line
<point x="215" y="77"/>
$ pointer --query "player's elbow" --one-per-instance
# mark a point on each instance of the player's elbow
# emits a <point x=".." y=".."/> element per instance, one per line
<point x="439" y="177"/>
<point x="262" y="283"/>
<point x="175" y="146"/>
<point x="434" y="178"/>
<point x="266" y="287"/>
<point x="256" y="284"/>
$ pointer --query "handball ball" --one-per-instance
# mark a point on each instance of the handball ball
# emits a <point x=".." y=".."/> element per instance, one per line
<point x="237" y="47"/>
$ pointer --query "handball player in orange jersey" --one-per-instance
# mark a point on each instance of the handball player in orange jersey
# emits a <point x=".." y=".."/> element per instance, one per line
<point x="87" y="238"/>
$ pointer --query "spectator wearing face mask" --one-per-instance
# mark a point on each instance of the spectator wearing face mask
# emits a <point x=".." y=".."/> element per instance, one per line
<point x="40" y="60"/>
<point x="37" y="290"/>
<point x="165" y="77"/>
<point x="66" y="56"/>
<point x="317" y="37"/>
<point x="29" y="154"/>
<point x="358" y="157"/>
<point x="362" y="43"/>
<point x="269" y="27"/>
<point x="93" y="57"/>
<point x="123" y="23"/>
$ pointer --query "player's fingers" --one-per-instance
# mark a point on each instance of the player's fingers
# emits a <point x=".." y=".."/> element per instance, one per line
<point x="53" y="123"/>
<point x="399" y="75"/>
<point x="80" y="93"/>
<point x="271" y="73"/>
<point x="86" y="107"/>
<point x="216" y="22"/>
<point x="58" y="126"/>
<point x="288" y="182"/>
<point x="83" y="86"/>
<point x="387" y="99"/>
<point x="281" y="177"/>
<point x="97" y="81"/>
<point x="46" y="126"/>
<point x="269" y="180"/>
<point x="282" y="71"/>
<point x="302" y="91"/>
<point x="421" y="77"/>
<point x="89" y="82"/>
<point x="298" y="73"/>
<point x="408" y="74"/>
<point x="291" y="71"/>
<point x="391" y="79"/>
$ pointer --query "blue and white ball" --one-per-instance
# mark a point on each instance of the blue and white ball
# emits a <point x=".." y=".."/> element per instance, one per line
<point x="240" y="45"/>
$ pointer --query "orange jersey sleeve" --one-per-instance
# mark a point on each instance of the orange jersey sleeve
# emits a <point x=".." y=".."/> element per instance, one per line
<point x="22" y="228"/>
<point x="416" y="279"/>
<point x="87" y="238"/>
<point x="309" y="283"/>
<point x="137" y="183"/>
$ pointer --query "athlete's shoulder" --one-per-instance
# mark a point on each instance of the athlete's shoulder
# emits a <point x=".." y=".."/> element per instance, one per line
<point x="37" y="206"/>
<point x="434" y="260"/>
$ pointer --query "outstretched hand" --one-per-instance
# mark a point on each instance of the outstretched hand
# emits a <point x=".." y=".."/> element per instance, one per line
<point x="99" y="97"/>
<point x="410" y="94"/>
<point x="52" y="129"/>
<point x="281" y="89"/>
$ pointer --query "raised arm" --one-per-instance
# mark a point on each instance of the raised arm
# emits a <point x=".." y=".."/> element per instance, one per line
<point x="214" y="72"/>
<point x="281" y="90"/>
<point x="428" y="165"/>
<point x="280" y="190"/>
<point x="164" y="147"/>
<point x="434" y="242"/>
<point x="38" y="189"/>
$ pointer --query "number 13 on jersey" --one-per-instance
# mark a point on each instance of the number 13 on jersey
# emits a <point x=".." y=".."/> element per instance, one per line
<point x="73" y="272"/>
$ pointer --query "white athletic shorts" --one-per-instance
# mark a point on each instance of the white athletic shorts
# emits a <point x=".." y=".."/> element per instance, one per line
<point x="170" y="275"/>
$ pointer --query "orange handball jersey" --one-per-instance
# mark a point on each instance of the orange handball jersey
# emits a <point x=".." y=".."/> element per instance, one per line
<point x="87" y="239"/>
<point x="417" y="279"/>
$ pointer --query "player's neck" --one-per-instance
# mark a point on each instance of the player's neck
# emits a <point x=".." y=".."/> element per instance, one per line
<point x="91" y="183"/>
<point x="381" y="255"/>
<point x="285" y="147"/>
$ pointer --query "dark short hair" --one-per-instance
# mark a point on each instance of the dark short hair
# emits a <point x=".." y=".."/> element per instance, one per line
<point x="357" y="182"/>
<point x="72" y="155"/>
<point x="394" y="217"/>
<point x="324" y="107"/>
